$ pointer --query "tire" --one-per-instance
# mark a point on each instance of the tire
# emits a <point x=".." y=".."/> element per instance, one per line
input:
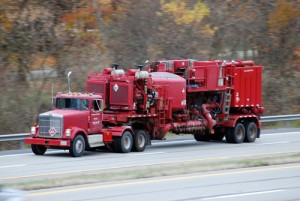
<point x="139" y="141"/>
<point x="38" y="149"/>
<point x="219" y="134"/>
<point x="199" y="137"/>
<point x="124" y="143"/>
<point x="77" y="146"/>
<point x="251" y="132"/>
<point x="217" y="137"/>
<point x="228" y="135"/>
<point x="236" y="134"/>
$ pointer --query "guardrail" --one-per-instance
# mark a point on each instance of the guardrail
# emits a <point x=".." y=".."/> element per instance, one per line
<point x="290" y="117"/>
<point x="265" y="119"/>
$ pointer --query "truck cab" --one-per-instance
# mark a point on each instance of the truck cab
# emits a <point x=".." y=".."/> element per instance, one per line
<point x="75" y="123"/>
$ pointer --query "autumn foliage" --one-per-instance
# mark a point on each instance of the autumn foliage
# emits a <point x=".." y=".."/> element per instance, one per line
<point x="85" y="36"/>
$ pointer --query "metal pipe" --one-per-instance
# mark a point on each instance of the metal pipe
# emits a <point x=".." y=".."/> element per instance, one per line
<point x="69" y="81"/>
<point x="211" y="122"/>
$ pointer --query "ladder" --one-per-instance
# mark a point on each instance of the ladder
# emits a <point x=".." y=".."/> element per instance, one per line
<point x="227" y="103"/>
<point x="162" y="113"/>
<point x="163" y="104"/>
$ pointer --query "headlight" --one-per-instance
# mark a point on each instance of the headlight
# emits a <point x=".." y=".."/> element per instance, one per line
<point x="68" y="132"/>
<point x="33" y="130"/>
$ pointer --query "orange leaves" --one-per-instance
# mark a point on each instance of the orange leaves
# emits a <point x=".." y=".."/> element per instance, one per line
<point x="85" y="16"/>
<point x="183" y="13"/>
<point x="41" y="61"/>
<point x="82" y="17"/>
<point x="111" y="8"/>
<point x="5" y="22"/>
<point x="284" y="12"/>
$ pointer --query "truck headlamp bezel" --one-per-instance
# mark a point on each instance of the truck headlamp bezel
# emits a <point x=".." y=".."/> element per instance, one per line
<point x="33" y="130"/>
<point x="68" y="132"/>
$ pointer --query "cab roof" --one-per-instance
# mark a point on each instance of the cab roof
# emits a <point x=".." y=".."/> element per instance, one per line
<point x="79" y="95"/>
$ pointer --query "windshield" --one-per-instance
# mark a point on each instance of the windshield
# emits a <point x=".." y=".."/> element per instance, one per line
<point x="72" y="103"/>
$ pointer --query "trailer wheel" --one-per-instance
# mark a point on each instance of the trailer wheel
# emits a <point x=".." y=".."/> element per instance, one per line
<point x="124" y="143"/>
<point x="139" y="141"/>
<point x="38" y="149"/>
<point x="217" y="137"/>
<point x="228" y="135"/>
<point x="77" y="146"/>
<point x="199" y="137"/>
<point x="236" y="134"/>
<point x="251" y="132"/>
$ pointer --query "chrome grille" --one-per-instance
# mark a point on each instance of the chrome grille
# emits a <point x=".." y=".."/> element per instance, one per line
<point x="50" y="125"/>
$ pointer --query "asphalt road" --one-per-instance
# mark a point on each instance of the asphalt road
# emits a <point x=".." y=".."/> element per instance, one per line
<point x="265" y="183"/>
<point x="181" y="150"/>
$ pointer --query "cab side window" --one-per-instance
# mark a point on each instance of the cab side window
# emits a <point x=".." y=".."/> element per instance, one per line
<point x="96" y="105"/>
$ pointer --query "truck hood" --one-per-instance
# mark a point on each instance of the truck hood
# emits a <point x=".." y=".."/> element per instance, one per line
<point x="72" y="118"/>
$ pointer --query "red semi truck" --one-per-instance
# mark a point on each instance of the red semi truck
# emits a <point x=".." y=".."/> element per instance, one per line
<point x="125" y="110"/>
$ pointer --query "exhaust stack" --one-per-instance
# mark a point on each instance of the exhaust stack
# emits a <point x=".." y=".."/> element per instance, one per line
<point x="69" y="85"/>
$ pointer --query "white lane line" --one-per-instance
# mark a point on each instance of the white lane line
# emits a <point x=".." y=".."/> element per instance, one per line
<point x="272" y="134"/>
<point x="142" y="154"/>
<point x="268" y="143"/>
<point x="242" y="194"/>
<point x="10" y="166"/>
<point x="3" y="156"/>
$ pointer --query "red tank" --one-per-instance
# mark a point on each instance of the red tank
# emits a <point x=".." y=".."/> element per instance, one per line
<point x="170" y="86"/>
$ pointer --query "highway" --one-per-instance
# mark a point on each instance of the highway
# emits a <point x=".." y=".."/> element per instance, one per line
<point x="260" y="184"/>
<point x="266" y="183"/>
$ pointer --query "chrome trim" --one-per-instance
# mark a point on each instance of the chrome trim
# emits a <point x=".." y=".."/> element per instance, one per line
<point x="48" y="121"/>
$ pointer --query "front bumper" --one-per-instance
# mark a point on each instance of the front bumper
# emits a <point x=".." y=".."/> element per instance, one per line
<point x="48" y="142"/>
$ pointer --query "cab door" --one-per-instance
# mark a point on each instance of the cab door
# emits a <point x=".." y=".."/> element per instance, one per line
<point x="95" y="123"/>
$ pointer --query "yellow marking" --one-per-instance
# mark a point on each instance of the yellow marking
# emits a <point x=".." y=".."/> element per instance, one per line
<point x="149" y="164"/>
<point x="161" y="180"/>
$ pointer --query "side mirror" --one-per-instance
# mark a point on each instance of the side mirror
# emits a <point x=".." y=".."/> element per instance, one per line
<point x="101" y="105"/>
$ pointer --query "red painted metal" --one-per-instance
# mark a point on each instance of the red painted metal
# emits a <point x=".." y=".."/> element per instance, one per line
<point x="172" y="87"/>
<point x="247" y="88"/>
<point x="179" y="96"/>
<point x="208" y="117"/>
<point x="48" y="142"/>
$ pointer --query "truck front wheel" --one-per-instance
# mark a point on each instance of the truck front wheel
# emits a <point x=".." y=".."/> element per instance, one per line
<point x="124" y="143"/>
<point x="139" y="140"/>
<point x="251" y="132"/>
<point x="77" y="146"/>
<point x="38" y="149"/>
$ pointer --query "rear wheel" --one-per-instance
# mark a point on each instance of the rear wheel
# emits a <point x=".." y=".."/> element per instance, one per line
<point x="77" y="146"/>
<point x="38" y="149"/>
<point x="219" y="134"/>
<point x="228" y="135"/>
<point x="139" y="141"/>
<point x="200" y="137"/>
<point x="217" y="137"/>
<point x="236" y="134"/>
<point x="124" y="143"/>
<point x="251" y="132"/>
